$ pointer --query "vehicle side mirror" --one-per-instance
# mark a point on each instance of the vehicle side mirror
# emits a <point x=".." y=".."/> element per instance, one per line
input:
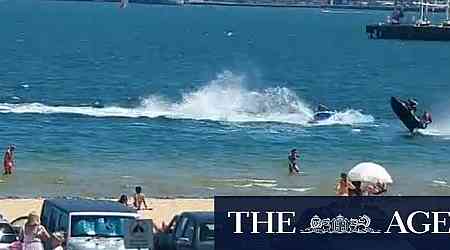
<point x="185" y="242"/>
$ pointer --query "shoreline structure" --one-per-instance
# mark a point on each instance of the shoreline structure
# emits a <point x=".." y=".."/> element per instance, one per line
<point x="272" y="4"/>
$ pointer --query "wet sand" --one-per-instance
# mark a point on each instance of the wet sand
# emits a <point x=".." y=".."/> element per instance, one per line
<point x="162" y="209"/>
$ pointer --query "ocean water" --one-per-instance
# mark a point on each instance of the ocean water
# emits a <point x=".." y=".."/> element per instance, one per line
<point x="200" y="100"/>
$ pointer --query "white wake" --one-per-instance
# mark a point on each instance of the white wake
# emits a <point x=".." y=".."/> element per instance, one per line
<point x="223" y="99"/>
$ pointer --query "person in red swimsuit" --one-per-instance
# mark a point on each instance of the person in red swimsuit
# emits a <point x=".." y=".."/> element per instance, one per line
<point x="8" y="160"/>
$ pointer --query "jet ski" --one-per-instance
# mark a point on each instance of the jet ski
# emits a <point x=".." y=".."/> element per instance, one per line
<point x="407" y="116"/>
<point x="322" y="113"/>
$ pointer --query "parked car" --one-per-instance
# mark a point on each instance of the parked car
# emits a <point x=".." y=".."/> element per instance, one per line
<point x="190" y="230"/>
<point x="7" y="235"/>
<point x="88" y="224"/>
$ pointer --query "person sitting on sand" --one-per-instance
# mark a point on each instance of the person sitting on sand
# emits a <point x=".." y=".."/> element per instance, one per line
<point x="293" y="165"/>
<point x="123" y="199"/>
<point x="344" y="186"/>
<point x="139" y="199"/>
<point x="8" y="160"/>
<point x="33" y="233"/>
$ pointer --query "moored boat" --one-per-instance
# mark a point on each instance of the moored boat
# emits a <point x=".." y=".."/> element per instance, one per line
<point x="422" y="29"/>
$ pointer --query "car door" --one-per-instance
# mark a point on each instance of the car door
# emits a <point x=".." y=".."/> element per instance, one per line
<point x="187" y="239"/>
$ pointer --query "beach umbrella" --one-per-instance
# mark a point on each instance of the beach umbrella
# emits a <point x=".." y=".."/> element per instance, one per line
<point x="369" y="172"/>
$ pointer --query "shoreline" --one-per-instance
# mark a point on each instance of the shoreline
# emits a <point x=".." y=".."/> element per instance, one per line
<point x="162" y="210"/>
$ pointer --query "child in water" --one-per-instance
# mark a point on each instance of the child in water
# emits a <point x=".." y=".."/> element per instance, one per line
<point x="139" y="199"/>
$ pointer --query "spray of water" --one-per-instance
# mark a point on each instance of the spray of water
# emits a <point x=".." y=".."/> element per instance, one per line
<point x="223" y="99"/>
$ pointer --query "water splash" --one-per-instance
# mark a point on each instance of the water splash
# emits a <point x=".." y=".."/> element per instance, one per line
<point x="223" y="99"/>
<point x="439" y="128"/>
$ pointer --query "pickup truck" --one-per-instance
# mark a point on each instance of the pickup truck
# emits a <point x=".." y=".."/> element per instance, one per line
<point x="187" y="231"/>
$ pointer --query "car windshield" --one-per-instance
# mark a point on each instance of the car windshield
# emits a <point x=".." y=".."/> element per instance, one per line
<point x="99" y="226"/>
<point x="7" y="234"/>
<point x="207" y="232"/>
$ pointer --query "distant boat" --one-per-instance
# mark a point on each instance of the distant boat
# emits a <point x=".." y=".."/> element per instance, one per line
<point x="123" y="4"/>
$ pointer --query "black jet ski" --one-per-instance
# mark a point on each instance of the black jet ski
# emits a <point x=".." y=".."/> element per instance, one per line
<point x="407" y="116"/>
<point x="323" y="115"/>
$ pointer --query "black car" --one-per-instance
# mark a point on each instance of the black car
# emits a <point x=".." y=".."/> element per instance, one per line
<point x="190" y="230"/>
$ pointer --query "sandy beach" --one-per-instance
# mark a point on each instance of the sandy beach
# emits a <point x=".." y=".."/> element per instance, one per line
<point x="162" y="209"/>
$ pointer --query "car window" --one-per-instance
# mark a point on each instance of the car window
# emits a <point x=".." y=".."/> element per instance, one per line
<point x="99" y="226"/>
<point x="180" y="227"/>
<point x="7" y="234"/>
<point x="189" y="231"/>
<point x="207" y="232"/>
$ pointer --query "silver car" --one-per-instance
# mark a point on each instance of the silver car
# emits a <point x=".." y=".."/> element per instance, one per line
<point x="7" y="235"/>
<point x="88" y="224"/>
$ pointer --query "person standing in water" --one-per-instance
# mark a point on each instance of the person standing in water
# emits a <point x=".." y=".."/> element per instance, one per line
<point x="293" y="165"/>
<point x="8" y="160"/>
<point x="344" y="186"/>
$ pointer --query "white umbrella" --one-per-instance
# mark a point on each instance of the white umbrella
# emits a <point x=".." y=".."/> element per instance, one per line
<point x="369" y="172"/>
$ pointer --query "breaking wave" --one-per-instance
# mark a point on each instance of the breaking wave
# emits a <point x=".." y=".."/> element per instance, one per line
<point x="223" y="99"/>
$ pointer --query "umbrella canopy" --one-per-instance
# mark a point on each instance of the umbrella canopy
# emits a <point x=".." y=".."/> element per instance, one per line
<point x="369" y="172"/>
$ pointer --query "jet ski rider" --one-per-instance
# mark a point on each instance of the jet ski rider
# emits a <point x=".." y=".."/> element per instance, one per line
<point x="412" y="105"/>
<point x="322" y="108"/>
<point x="425" y="119"/>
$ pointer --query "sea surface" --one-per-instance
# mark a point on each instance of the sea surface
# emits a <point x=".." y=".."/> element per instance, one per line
<point x="197" y="101"/>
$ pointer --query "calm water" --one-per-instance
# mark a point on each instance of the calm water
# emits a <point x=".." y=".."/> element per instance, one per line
<point x="197" y="101"/>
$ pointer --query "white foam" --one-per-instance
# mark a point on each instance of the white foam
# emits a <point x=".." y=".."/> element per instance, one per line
<point x="223" y="99"/>
<point x="265" y="185"/>
<point x="439" y="182"/>
<point x="439" y="128"/>
<point x="302" y="190"/>
<point x="349" y="116"/>
<point x="262" y="181"/>
<point x="243" y="186"/>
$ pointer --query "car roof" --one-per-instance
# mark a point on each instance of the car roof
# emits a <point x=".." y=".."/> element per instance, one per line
<point x="200" y="217"/>
<point x="87" y="205"/>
